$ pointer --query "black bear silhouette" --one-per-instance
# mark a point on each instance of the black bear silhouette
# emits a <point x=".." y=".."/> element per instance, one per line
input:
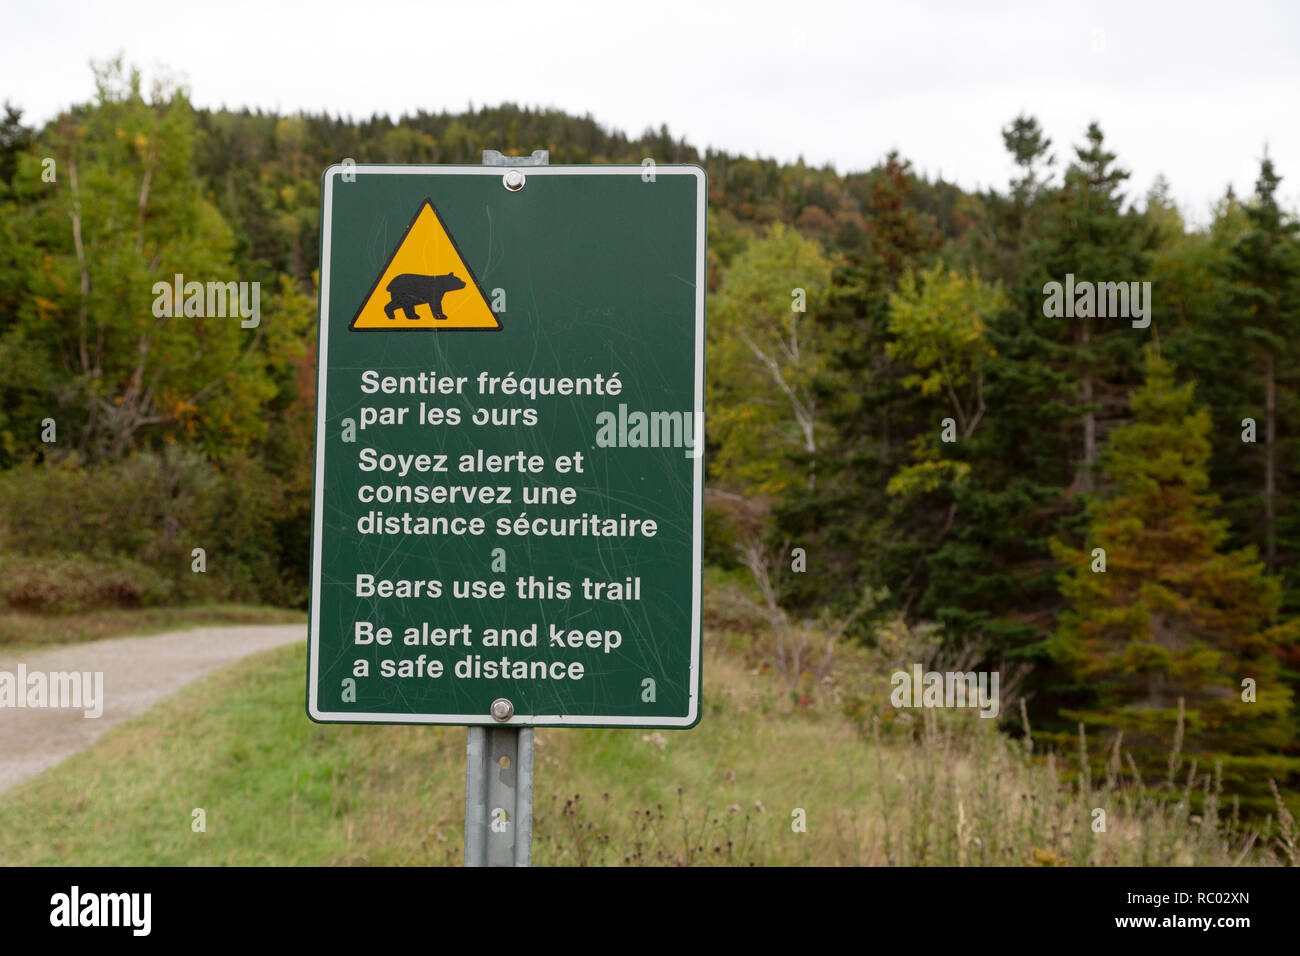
<point x="409" y="290"/>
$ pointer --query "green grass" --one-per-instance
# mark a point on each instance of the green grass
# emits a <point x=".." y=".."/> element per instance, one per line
<point x="22" y="632"/>
<point x="279" y="789"/>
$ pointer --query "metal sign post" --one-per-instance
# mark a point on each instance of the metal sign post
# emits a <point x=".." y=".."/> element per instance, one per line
<point x="499" y="796"/>
<point x="499" y="760"/>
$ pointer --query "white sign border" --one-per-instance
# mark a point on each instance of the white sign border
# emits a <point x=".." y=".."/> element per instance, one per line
<point x="322" y="364"/>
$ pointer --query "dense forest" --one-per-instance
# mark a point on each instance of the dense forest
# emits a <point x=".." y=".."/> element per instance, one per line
<point x="1050" y="423"/>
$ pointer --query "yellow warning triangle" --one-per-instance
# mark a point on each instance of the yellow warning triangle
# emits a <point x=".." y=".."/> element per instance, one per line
<point x="426" y="285"/>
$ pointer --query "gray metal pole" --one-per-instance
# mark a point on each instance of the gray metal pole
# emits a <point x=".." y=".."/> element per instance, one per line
<point x="499" y="796"/>
<point x="499" y="760"/>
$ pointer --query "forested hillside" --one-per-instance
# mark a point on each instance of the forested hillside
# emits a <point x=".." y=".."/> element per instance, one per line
<point x="895" y="386"/>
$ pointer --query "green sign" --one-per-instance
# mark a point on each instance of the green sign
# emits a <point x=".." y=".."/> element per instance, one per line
<point x="509" y="446"/>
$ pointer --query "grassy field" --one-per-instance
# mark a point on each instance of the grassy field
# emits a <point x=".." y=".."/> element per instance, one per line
<point x="278" y="789"/>
<point x="22" y="632"/>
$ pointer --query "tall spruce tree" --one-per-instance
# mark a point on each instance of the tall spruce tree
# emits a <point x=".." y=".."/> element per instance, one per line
<point x="1198" y="329"/>
<point x="992" y="577"/>
<point x="1264" y="266"/>
<point x="1173" y="616"/>
<point x="1093" y="237"/>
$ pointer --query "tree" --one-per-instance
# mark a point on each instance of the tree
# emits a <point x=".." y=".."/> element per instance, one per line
<point x="1010" y="221"/>
<point x="1092" y="237"/>
<point x="25" y="371"/>
<point x="938" y="322"/>
<point x="765" y="350"/>
<point x="1028" y="145"/>
<point x="15" y="139"/>
<point x="991" y="579"/>
<point x="127" y="213"/>
<point x="899" y="235"/>
<point x="870" y="414"/>
<point x="1173" y="619"/>
<point x="1199" y="326"/>
<point x="1264" y="266"/>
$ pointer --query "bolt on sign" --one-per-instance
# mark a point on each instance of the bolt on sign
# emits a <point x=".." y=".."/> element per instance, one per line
<point x="509" y="434"/>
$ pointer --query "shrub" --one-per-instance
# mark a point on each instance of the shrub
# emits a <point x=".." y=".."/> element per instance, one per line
<point x="121" y="534"/>
<point x="70" y="583"/>
<point x="720" y="538"/>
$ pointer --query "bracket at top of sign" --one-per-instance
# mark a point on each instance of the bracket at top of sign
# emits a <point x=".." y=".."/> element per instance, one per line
<point x="494" y="157"/>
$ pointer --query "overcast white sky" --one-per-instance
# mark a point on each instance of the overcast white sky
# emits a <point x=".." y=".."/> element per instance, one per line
<point x="1189" y="89"/>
